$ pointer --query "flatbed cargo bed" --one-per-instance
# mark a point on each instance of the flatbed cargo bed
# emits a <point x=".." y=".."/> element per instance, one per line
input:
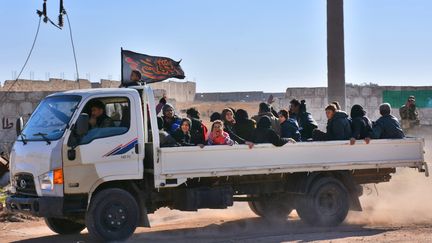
<point x="181" y="163"/>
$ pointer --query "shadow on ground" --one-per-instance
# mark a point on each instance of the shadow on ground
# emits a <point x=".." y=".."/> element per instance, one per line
<point x="243" y="230"/>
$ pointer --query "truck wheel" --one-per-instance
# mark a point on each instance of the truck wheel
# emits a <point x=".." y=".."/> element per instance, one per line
<point x="64" y="226"/>
<point x="113" y="215"/>
<point x="273" y="207"/>
<point x="326" y="204"/>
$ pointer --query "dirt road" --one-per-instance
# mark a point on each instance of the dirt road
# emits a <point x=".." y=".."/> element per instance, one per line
<point x="237" y="224"/>
<point x="400" y="211"/>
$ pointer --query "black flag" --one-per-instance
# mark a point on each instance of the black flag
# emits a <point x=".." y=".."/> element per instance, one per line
<point x="152" y="68"/>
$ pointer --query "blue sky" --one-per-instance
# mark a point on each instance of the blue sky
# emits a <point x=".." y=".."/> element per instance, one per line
<point x="225" y="45"/>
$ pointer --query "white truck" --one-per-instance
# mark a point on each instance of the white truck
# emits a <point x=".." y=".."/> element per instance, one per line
<point x="109" y="179"/>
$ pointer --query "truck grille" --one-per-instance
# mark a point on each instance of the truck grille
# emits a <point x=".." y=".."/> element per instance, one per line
<point x="24" y="184"/>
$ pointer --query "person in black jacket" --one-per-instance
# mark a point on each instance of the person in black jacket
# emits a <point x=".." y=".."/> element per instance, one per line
<point x="338" y="126"/>
<point x="305" y="120"/>
<point x="198" y="130"/>
<point x="289" y="126"/>
<point x="361" y="125"/>
<point x="229" y="122"/>
<point x="98" y="117"/>
<point x="182" y="135"/>
<point x="265" y="134"/>
<point x="387" y="126"/>
<point x="244" y="126"/>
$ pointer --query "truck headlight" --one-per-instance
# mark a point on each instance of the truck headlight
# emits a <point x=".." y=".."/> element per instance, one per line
<point x="51" y="178"/>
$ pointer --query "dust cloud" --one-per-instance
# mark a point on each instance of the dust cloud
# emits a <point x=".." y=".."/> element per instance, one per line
<point x="165" y="215"/>
<point x="405" y="200"/>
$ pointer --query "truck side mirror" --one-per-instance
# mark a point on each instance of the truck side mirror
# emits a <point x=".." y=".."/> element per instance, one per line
<point x="19" y="125"/>
<point x="80" y="129"/>
<point x="82" y="125"/>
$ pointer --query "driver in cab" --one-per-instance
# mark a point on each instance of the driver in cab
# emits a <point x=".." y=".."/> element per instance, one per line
<point x="98" y="118"/>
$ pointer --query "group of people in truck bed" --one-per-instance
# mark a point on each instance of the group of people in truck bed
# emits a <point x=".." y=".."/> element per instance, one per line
<point x="269" y="126"/>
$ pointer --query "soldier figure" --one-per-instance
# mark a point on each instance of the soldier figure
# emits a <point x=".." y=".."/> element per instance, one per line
<point x="409" y="114"/>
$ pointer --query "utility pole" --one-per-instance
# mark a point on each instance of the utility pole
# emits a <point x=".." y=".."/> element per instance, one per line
<point x="335" y="53"/>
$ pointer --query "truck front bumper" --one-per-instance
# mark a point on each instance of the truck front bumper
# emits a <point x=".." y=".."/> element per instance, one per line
<point x="36" y="206"/>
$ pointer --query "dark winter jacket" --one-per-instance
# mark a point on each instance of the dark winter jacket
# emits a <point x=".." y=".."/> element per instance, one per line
<point x="274" y="120"/>
<point x="171" y="125"/>
<point x="339" y="127"/>
<point x="166" y="140"/>
<point x="361" y="127"/>
<point x="245" y="128"/>
<point x="265" y="134"/>
<point x="306" y="124"/>
<point x="182" y="138"/>
<point x="198" y="132"/>
<point x="387" y="126"/>
<point x="230" y="129"/>
<point x="290" y="129"/>
<point x="103" y="121"/>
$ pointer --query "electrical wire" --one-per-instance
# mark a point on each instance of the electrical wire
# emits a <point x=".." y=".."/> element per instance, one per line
<point x="73" y="47"/>
<point x="31" y="49"/>
<point x="26" y="61"/>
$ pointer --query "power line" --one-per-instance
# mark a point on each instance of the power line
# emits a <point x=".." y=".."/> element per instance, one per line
<point x="31" y="50"/>
<point x="73" y="47"/>
<point x="26" y="61"/>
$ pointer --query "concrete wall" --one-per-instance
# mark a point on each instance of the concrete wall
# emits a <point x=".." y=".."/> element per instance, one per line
<point x="368" y="96"/>
<point x="16" y="104"/>
<point x="40" y="85"/>
<point x="179" y="91"/>
<point x="252" y="96"/>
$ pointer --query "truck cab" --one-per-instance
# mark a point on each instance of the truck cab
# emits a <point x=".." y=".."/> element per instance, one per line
<point x="54" y="169"/>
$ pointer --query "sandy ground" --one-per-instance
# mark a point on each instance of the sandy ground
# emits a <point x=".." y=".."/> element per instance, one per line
<point x="398" y="211"/>
<point x="237" y="224"/>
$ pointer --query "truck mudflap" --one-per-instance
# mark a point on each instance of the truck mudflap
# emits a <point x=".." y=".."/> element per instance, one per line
<point x="36" y="206"/>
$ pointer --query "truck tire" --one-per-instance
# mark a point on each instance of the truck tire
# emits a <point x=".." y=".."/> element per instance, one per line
<point x="113" y="215"/>
<point x="64" y="226"/>
<point x="326" y="203"/>
<point x="272" y="208"/>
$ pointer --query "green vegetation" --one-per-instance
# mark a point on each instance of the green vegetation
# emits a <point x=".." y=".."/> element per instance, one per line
<point x="2" y="196"/>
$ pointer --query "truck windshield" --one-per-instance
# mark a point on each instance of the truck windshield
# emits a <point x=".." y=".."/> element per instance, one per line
<point x="50" y="118"/>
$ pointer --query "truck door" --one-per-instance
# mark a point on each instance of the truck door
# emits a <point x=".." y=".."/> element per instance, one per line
<point x="109" y="150"/>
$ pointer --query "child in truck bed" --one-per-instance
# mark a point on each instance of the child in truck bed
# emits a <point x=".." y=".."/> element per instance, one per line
<point x="218" y="136"/>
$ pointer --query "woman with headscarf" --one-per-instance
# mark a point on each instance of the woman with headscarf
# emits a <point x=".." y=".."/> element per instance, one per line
<point x="182" y="135"/>
<point x="361" y="125"/>
<point x="244" y="126"/>
<point x="229" y="125"/>
<point x="264" y="133"/>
